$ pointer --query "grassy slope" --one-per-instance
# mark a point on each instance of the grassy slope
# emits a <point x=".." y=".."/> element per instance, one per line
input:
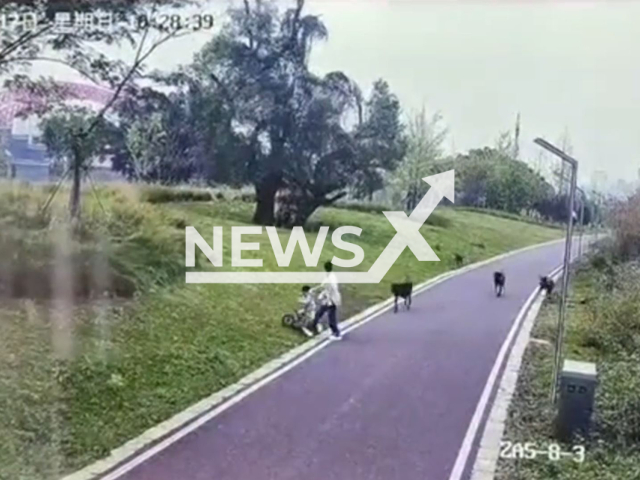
<point x="129" y="365"/>
<point x="606" y="330"/>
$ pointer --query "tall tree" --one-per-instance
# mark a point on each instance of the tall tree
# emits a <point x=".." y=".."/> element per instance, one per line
<point x="41" y="41"/>
<point x="173" y="137"/>
<point x="490" y="178"/>
<point x="562" y="172"/>
<point x="425" y="138"/>
<point x="62" y="133"/>
<point x="473" y="171"/>
<point x="380" y="137"/>
<point x="259" y="65"/>
<point x="290" y="126"/>
<point x="4" y="163"/>
<point x="327" y="155"/>
<point x="516" y="139"/>
<point x="505" y="144"/>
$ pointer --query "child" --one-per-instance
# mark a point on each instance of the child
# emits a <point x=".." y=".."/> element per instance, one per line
<point x="307" y="310"/>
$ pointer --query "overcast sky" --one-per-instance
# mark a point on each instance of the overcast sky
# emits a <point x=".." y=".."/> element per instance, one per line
<point x="562" y="65"/>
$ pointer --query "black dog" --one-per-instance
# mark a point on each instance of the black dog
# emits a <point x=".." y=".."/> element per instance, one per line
<point x="547" y="284"/>
<point x="403" y="290"/>
<point x="499" y="281"/>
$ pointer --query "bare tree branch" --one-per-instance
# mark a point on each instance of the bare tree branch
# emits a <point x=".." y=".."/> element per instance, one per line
<point x="60" y="61"/>
<point x="95" y="194"/>
<point x="248" y="28"/>
<point x="22" y="40"/>
<point x="63" y="177"/>
<point x="128" y="77"/>
<point x="223" y="87"/>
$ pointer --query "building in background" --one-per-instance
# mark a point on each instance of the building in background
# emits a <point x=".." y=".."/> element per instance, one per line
<point x="27" y="160"/>
<point x="19" y="137"/>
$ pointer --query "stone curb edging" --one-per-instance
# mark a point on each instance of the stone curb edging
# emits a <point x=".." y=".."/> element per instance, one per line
<point x="486" y="461"/>
<point x="199" y="409"/>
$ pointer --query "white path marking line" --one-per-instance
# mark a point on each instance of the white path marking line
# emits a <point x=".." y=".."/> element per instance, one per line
<point x="467" y="443"/>
<point x="485" y="463"/>
<point x="222" y="400"/>
<point x="214" y="413"/>
<point x="489" y="447"/>
<point x="217" y="411"/>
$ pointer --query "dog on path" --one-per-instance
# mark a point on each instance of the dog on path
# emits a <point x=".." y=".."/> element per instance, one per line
<point x="547" y="284"/>
<point x="499" y="281"/>
<point x="404" y="291"/>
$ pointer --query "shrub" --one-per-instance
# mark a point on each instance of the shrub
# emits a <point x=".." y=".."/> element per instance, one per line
<point x="618" y="414"/>
<point x="247" y="197"/>
<point x="601" y="262"/>
<point x="625" y="221"/>
<point x="612" y="325"/>
<point x="156" y="194"/>
<point x="132" y="244"/>
<point x="612" y="320"/>
<point x="21" y="206"/>
<point x="436" y="220"/>
<point x="180" y="223"/>
<point x="362" y="206"/>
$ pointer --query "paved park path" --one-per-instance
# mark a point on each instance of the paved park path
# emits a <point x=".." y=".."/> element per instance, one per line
<point x="392" y="401"/>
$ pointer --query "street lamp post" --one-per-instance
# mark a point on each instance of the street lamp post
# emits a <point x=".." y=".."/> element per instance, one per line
<point x="567" y="260"/>
<point x="596" y="214"/>
<point x="584" y="199"/>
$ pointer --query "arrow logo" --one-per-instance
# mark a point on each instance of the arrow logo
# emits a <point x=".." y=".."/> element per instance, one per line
<point x="407" y="235"/>
<point x="408" y="228"/>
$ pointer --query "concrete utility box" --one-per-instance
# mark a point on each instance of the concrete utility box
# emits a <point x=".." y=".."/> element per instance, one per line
<point x="577" y="394"/>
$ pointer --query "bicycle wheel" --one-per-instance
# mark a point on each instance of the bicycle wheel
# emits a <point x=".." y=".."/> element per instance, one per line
<point x="288" y="320"/>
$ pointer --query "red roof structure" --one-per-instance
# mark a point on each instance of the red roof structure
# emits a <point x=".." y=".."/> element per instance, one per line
<point x="12" y="103"/>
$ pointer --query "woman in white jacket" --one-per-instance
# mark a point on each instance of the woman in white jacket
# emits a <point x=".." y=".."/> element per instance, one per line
<point x="330" y="301"/>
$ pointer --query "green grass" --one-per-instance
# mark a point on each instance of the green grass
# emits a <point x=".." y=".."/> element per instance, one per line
<point x="79" y="378"/>
<point x="512" y="216"/>
<point x="603" y="326"/>
<point x="160" y="194"/>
